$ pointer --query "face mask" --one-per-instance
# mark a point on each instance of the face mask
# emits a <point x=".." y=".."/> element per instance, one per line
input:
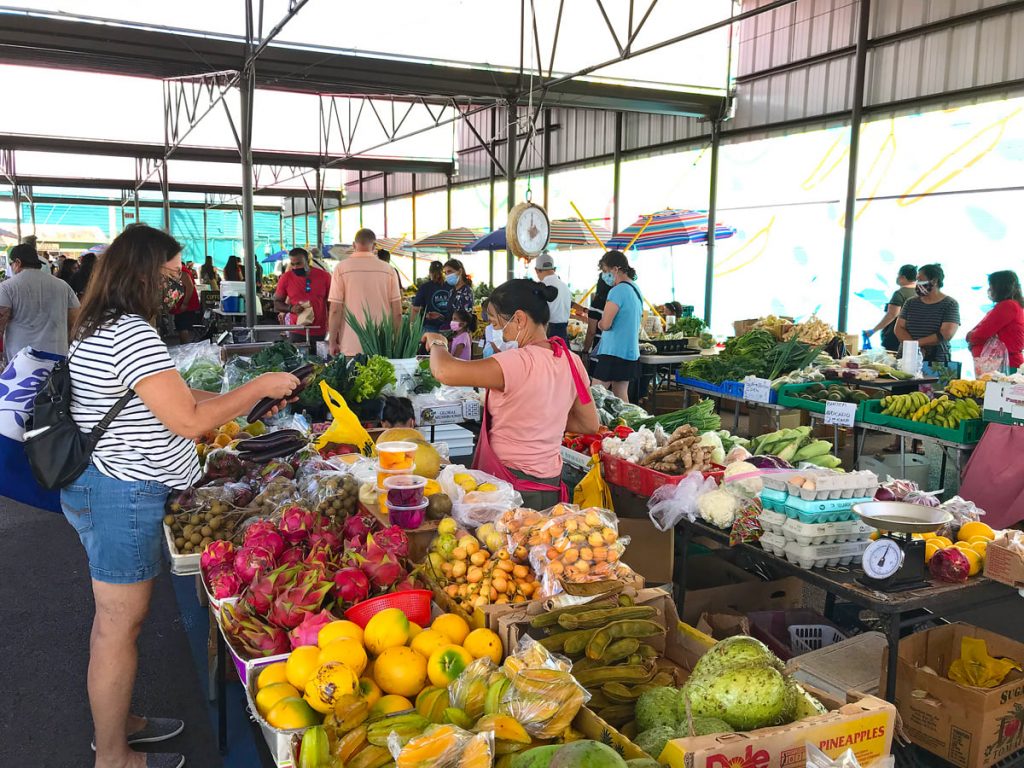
<point x="455" y="325"/>
<point x="608" y="277"/>
<point x="923" y="289"/>
<point x="172" y="293"/>
<point x="499" y="338"/>
<point x="452" y="279"/>
<point x="300" y="272"/>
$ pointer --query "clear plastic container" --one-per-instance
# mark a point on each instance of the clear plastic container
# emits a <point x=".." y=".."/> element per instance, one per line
<point x="409" y="518"/>
<point x="405" y="490"/>
<point x="383" y="475"/>
<point x="398" y="455"/>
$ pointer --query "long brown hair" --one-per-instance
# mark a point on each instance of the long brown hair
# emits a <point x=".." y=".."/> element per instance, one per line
<point x="127" y="280"/>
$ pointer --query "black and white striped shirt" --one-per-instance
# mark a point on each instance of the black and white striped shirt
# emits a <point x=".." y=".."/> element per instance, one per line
<point x="137" y="446"/>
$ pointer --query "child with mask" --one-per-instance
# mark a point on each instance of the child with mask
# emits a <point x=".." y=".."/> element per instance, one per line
<point x="463" y="327"/>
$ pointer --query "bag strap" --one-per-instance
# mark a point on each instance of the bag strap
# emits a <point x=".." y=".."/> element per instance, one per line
<point x="97" y="432"/>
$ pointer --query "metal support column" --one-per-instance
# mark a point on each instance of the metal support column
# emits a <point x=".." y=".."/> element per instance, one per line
<point x="510" y="173"/>
<point x="247" y="89"/>
<point x="165" y="192"/>
<point x="413" y="225"/>
<point x="709" y="273"/>
<point x="17" y="210"/>
<point x="616" y="171"/>
<point x="547" y="154"/>
<point x="384" y="182"/>
<point x="320" y="211"/>
<point x="32" y="207"/>
<point x="860" y="71"/>
<point x="360" y="199"/>
<point x="206" y="248"/>
<point x="448" y="200"/>
<point x="280" y="231"/>
<point x="490" y="203"/>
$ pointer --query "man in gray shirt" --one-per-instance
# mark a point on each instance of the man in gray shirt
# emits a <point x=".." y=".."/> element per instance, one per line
<point x="36" y="308"/>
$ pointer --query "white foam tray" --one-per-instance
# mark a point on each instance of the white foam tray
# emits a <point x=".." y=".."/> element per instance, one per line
<point x="825" y="533"/>
<point x="813" y="555"/>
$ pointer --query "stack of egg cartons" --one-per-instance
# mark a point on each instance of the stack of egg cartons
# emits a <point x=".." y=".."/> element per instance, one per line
<point x="808" y="516"/>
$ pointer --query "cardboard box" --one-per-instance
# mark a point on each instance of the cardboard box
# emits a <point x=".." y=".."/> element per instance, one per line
<point x="761" y="421"/>
<point x="969" y="727"/>
<point x="716" y="586"/>
<point x="650" y="552"/>
<point x="1004" y="565"/>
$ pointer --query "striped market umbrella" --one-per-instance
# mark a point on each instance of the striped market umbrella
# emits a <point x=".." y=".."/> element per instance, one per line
<point x="565" y="233"/>
<point x="392" y="245"/>
<point x="668" y="228"/>
<point x="454" y="240"/>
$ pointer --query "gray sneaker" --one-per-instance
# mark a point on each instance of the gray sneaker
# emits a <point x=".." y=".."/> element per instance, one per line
<point x="157" y="729"/>
<point x="164" y="760"/>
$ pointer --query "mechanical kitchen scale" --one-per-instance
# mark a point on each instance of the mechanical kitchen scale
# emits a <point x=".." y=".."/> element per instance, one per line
<point x="894" y="562"/>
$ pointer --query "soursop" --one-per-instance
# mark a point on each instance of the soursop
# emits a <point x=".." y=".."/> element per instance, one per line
<point x="737" y="651"/>
<point x="703" y="726"/>
<point x="653" y="741"/>
<point x="657" y="707"/>
<point x="746" y="698"/>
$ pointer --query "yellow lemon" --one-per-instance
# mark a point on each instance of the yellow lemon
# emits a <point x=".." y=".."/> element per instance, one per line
<point x="291" y="713"/>
<point x="348" y="651"/>
<point x="979" y="539"/>
<point x="337" y="630"/>
<point x="981" y="547"/>
<point x="484" y="642"/>
<point x="975" y="528"/>
<point x="302" y="665"/>
<point x="927" y="535"/>
<point x="273" y="693"/>
<point x="455" y="628"/>
<point x="272" y="673"/>
<point x="428" y="641"/>
<point x="974" y="559"/>
<point x="487" y="487"/>
<point x="387" y="629"/>
<point x="929" y="550"/>
<point x="941" y="542"/>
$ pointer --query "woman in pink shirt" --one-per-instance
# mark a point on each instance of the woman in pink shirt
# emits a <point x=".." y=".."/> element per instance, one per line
<point x="463" y="327"/>
<point x="1005" y="320"/>
<point x="535" y="392"/>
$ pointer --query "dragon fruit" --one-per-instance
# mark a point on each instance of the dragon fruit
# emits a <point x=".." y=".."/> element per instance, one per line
<point x="216" y="553"/>
<point x="224" y="582"/>
<point x="322" y="559"/>
<point x="351" y="585"/>
<point x="253" y="636"/>
<point x="358" y="527"/>
<point x="309" y="628"/>
<point x="382" y="571"/>
<point x="326" y="537"/>
<point x="250" y="561"/>
<point x="268" y="539"/>
<point x="264" y="589"/>
<point x="293" y="555"/>
<point x="296" y="524"/>
<point x="294" y="603"/>
<point x="255" y="528"/>
<point x="392" y="540"/>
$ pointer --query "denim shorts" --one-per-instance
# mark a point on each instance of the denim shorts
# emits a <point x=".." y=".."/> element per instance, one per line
<point x="120" y="524"/>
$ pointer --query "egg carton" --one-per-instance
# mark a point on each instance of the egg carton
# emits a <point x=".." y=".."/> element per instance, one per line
<point x="835" y="485"/>
<point x="825" y="555"/>
<point x="807" y="534"/>
<point x="773" y="543"/>
<point x="822" y="510"/>
<point x="772" y="522"/>
<point x="779" y="481"/>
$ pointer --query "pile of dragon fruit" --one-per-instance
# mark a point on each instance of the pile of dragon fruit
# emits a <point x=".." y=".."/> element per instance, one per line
<point x="296" y="575"/>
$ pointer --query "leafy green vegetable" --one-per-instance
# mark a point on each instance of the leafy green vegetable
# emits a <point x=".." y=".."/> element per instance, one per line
<point x="381" y="337"/>
<point x="427" y="382"/>
<point x="205" y="375"/>
<point x="279" y="356"/>
<point x="700" y="416"/>
<point x="690" y="326"/>
<point x="371" y="378"/>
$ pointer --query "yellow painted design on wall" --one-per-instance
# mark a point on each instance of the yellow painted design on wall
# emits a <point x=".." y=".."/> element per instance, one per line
<point x="817" y="176"/>
<point x="944" y="170"/>
<point x="875" y="175"/>
<point x="748" y="253"/>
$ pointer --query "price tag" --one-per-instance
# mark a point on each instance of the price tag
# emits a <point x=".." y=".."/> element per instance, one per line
<point x="757" y="390"/>
<point x="840" y="414"/>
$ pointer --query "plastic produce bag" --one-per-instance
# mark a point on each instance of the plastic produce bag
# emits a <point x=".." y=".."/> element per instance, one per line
<point x="473" y="508"/>
<point x="346" y="428"/>
<point x="746" y="528"/>
<point x="200" y="365"/>
<point x="976" y="668"/>
<point x="592" y="490"/>
<point x="468" y="691"/>
<point x="335" y="493"/>
<point x="542" y="695"/>
<point x="277" y="492"/>
<point x="963" y="511"/>
<point x="442" y="746"/>
<point x="671" y="503"/>
<point x="994" y="358"/>
<point x="818" y="759"/>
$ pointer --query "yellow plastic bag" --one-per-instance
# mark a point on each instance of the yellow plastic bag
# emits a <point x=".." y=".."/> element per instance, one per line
<point x="975" y="667"/>
<point x="345" y="429"/>
<point x="592" y="490"/>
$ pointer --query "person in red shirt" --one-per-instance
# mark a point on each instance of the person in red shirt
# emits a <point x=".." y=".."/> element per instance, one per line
<point x="186" y="313"/>
<point x="304" y="285"/>
<point x="1005" y="319"/>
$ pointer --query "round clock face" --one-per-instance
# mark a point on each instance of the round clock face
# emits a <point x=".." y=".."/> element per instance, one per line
<point x="882" y="558"/>
<point x="532" y="230"/>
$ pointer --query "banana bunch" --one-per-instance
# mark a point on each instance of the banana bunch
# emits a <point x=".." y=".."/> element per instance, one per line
<point x="795" y="446"/>
<point x="966" y="388"/>
<point x="942" y="412"/>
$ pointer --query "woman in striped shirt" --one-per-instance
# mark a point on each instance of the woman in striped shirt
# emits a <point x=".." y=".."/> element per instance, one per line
<point x="931" y="318"/>
<point x="117" y="504"/>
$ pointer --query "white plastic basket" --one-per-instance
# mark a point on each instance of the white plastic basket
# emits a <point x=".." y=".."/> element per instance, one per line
<point x="804" y="638"/>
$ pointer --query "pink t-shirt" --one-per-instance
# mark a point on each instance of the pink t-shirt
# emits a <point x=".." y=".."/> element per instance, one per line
<point x="463" y="338"/>
<point x="363" y="283"/>
<point x="527" y="419"/>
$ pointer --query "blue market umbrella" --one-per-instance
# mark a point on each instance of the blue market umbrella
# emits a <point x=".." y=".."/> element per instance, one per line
<point x="273" y="258"/>
<point x="492" y="241"/>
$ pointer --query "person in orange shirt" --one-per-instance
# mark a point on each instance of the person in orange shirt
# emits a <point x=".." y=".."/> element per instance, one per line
<point x="366" y="286"/>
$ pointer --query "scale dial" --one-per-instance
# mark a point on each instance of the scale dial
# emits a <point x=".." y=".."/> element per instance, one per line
<point x="531" y="230"/>
<point x="882" y="559"/>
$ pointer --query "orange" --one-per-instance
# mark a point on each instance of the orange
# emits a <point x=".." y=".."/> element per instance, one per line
<point x="484" y="642"/>
<point x="349" y="652"/>
<point x="929" y="550"/>
<point x="976" y="539"/>
<point x="447" y="663"/>
<point x="455" y="628"/>
<point x="268" y="697"/>
<point x="302" y="665"/>
<point x="428" y="641"/>
<point x="941" y="542"/>
<point x="401" y="671"/>
<point x="975" y="528"/>
<point x="981" y="547"/>
<point x="337" y="630"/>
<point x="272" y="673"/>
<point x="928" y="535"/>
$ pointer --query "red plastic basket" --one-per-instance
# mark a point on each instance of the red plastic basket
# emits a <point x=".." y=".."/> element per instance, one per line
<point x="414" y="603"/>
<point x="643" y="481"/>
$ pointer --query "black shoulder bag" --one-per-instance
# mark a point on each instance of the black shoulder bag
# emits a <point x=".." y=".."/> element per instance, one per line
<point x="58" y="451"/>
